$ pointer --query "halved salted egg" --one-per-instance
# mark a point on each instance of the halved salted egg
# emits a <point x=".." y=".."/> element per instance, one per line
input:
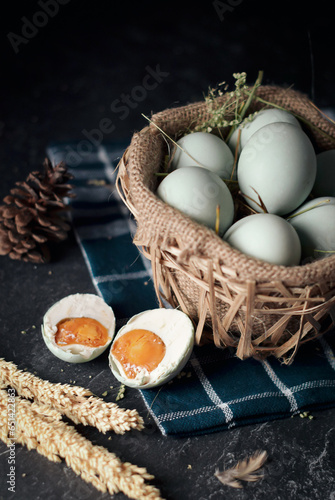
<point x="152" y="348"/>
<point x="79" y="327"/>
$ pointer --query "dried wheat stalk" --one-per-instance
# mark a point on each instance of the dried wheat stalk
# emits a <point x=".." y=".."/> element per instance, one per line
<point x="39" y="427"/>
<point x="243" y="471"/>
<point x="75" y="402"/>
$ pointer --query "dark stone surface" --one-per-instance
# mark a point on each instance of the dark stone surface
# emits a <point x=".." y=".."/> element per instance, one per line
<point x="65" y="80"/>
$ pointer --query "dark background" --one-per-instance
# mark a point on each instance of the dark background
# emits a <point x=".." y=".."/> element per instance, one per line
<point x="63" y="81"/>
<point x="65" y="78"/>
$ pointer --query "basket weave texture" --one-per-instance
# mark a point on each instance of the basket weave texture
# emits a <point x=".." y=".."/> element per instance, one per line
<point x="258" y="309"/>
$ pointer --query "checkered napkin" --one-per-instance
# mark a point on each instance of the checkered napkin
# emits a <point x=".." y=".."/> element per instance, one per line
<point x="216" y="390"/>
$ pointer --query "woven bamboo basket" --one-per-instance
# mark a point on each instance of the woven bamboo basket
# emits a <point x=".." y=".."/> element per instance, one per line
<point x="238" y="302"/>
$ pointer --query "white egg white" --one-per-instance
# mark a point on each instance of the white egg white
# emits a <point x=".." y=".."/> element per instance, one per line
<point x="177" y="332"/>
<point x="77" y="306"/>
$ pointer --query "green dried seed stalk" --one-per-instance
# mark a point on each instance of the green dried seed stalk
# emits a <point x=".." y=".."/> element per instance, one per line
<point x="236" y="105"/>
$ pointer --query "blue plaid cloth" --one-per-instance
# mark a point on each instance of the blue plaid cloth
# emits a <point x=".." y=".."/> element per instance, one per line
<point x="216" y="390"/>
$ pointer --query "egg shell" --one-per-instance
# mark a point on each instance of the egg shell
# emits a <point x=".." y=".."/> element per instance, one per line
<point x="264" y="117"/>
<point x="196" y="192"/>
<point x="176" y="330"/>
<point x="279" y="164"/>
<point x="316" y="226"/>
<point x="76" y="306"/>
<point x="267" y="237"/>
<point x="203" y="149"/>
<point x="325" y="174"/>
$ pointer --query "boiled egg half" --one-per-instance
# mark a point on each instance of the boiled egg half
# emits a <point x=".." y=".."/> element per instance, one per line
<point x="79" y="327"/>
<point x="152" y="348"/>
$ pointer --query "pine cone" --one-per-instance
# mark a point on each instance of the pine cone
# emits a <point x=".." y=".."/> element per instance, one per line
<point x="32" y="216"/>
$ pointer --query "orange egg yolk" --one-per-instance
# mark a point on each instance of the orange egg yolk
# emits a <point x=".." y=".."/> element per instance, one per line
<point x="84" y="331"/>
<point x="138" y="349"/>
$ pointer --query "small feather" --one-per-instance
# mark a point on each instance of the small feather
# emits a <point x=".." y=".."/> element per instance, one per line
<point x="243" y="471"/>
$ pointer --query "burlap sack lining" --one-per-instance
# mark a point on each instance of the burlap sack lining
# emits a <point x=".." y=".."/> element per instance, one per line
<point x="256" y="307"/>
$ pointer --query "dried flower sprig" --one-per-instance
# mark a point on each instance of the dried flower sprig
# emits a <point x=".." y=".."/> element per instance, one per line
<point x="77" y="403"/>
<point x="39" y="427"/>
<point x="218" y="114"/>
<point x="243" y="471"/>
<point x="234" y="106"/>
